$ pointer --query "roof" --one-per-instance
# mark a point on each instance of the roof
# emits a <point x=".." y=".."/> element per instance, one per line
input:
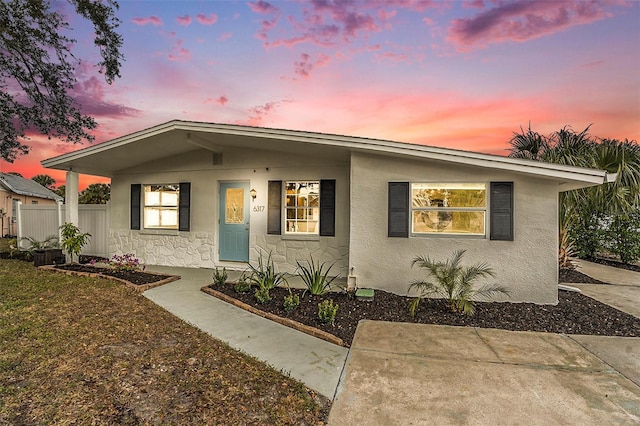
<point x="177" y="137"/>
<point x="22" y="186"/>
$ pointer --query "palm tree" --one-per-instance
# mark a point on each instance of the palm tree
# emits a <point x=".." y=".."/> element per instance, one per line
<point x="587" y="207"/>
<point x="453" y="282"/>
<point x="45" y="180"/>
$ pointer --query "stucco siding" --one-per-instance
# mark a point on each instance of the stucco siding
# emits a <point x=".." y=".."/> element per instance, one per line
<point x="527" y="265"/>
<point x="199" y="247"/>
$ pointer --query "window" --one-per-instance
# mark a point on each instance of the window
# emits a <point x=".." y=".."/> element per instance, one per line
<point x="302" y="207"/>
<point x="161" y="206"/>
<point x="448" y="208"/>
<point x="34" y="202"/>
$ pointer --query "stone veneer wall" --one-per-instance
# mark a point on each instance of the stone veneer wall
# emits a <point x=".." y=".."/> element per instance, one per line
<point x="285" y="252"/>
<point x="186" y="249"/>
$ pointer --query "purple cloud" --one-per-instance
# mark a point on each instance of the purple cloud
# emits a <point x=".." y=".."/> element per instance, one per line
<point x="521" y="21"/>
<point x="207" y="20"/>
<point x="184" y="20"/>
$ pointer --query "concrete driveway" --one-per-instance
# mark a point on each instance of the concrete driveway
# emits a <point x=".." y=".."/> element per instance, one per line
<point x="414" y="374"/>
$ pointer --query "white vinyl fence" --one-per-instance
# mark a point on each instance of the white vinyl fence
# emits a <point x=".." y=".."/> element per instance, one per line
<point x="41" y="221"/>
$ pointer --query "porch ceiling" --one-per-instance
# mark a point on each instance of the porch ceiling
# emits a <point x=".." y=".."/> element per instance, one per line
<point x="108" y="158"/>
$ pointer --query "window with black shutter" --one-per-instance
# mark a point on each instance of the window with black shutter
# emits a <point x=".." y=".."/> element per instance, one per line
<point x="398" y="209"/>
<point x="274" y="212"/>
<point x="184" y="207"/>
<point x="501" y="215"/>
<point x="136" y="195"/>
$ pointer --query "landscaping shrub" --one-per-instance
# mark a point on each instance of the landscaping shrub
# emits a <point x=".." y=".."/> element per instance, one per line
<point x="125" y="262"/>
<point x="262" y="295"/>
<point x="73" y="240"/>
<point x="291" y="302"/>
<point x="220" y="277"/>
<point x="242" y="285"/>
<point x="327" y="311"/>
<point x="453" y="282"/>
<point x="315" y="276"/>
<point x="623" y="237"/>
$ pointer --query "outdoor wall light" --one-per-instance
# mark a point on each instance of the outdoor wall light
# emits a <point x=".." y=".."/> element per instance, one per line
<point x="253" y="193"/>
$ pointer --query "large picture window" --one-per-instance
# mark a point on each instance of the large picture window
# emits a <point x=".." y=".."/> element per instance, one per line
<point x="448" y="208"/>
<point x="161" y="206"/>
<point x="302" y="207"/>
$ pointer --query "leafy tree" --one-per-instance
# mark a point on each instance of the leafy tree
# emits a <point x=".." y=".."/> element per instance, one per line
<point x="61" y="191"/>
<point x="584" y="212"/>
<point x="96" y="193"/>
<point x="45" y="180"/>
<point x="37" y="69"/>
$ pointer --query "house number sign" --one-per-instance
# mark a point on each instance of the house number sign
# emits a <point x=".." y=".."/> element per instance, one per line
<point x="258" y="209"/>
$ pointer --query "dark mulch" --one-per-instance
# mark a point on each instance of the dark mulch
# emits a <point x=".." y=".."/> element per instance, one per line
<point x="615" y="264"/>
<point x="574" y="314"/>
<point x="134" y="277"/>
<point x="566" y="275"/>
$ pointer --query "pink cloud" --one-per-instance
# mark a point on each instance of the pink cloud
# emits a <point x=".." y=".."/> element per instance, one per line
<point x="222" y="100"/>
<point x="263" y="7"/>
<point x="521" y="21"/>
<point x="393" y="57"/>
<point x="207" y="20"/>
<point x="153" y="20"/>
<point x="184" y="20"/>
<point x="306" y="64"/>
<point x="225" y="36"/>
<point x="179" y="53"/>
<point x="259" y="114"/>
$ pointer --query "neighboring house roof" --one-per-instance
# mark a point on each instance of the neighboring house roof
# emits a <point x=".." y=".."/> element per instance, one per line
<point x="28" y="187"/>
<point x="177" y="137"/>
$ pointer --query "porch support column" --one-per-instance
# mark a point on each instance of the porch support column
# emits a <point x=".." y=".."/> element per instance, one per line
<point x="71" y="198"/>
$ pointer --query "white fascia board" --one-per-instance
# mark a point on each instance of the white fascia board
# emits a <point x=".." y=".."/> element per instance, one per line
<point x="557" y="171"/>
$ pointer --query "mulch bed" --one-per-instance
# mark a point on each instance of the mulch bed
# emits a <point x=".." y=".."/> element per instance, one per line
<point x="140" y="280"/>
<point x="566" y="275"/>
<point x="575" y="313"/>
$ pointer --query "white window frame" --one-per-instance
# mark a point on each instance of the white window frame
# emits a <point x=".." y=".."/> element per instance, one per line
<point x="162" y="205"/>
<point x="445" y="208"/>
<point x="292" y="225"/>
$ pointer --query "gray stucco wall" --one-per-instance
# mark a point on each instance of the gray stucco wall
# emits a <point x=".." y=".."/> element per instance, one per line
<point x="527" y="265"/>
<point x="199" y="246"/>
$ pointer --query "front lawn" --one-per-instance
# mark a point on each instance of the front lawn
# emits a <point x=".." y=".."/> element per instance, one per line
<point x="92" y="351"/>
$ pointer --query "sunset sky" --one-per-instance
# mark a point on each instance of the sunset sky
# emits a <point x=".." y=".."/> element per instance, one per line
<point x="458" y="74"/>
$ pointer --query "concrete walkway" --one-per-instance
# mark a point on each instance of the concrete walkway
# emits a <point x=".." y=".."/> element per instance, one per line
<point x="623" y="291"/>
<point x="314" y="362"/>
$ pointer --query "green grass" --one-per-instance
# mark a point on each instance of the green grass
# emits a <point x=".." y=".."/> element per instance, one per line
<point x="92" y="351"/>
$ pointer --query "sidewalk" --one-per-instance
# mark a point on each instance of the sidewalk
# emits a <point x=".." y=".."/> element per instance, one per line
<point x="316" y="363"/>
<point x="623" y="291"/>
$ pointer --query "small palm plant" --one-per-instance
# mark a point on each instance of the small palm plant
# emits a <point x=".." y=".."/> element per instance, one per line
<point x="453" y="282"/>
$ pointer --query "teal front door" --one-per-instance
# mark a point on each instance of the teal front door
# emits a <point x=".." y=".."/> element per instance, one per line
<point x="234" y="221"/>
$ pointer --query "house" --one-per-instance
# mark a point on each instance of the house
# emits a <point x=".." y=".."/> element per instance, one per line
<point x="15" y="189"/>
<point x="205" y="195"/>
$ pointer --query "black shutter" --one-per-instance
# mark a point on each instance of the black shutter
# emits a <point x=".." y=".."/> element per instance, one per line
<point x="274" y="213"/>
<point x="184" y="207"/>
<point x="501" y="215"/>
<point x="328" y="207"/>
<point x="398" y="213"/>
<point x="136" y="193"/>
